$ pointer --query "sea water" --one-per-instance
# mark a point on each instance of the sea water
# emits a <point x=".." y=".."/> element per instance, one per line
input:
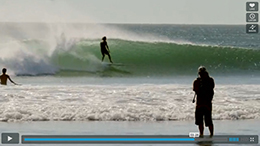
<point x="63" y="79"/>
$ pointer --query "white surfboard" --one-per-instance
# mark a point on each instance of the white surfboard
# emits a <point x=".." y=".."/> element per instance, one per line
<point x="113" y="64"/>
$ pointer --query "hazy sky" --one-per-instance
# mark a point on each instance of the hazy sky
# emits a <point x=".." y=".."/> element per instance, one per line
<point x="125" y="11"/>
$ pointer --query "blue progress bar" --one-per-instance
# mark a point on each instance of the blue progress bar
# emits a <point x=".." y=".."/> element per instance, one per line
<point x="234" y="139"/>
<point x="107" y="139"/>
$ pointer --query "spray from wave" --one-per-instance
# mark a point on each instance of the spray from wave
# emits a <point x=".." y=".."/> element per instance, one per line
<point x="31" y="48"/>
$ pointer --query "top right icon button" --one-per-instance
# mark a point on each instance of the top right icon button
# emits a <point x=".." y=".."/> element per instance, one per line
<point x="252" y="6"/>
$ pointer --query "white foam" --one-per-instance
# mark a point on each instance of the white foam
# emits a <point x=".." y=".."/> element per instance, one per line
<point x="122" y="102"/>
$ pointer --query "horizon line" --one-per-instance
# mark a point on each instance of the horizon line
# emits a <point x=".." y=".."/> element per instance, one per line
<point x="119" y="23"/>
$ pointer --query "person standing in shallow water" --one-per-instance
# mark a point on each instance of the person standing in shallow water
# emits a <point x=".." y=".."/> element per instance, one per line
<point x="4" y="77"/>
<point x="105" y="49"/>
<point x="204" y="89"/>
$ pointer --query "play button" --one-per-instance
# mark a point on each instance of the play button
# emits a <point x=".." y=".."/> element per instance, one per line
<point x="10" y="138"/>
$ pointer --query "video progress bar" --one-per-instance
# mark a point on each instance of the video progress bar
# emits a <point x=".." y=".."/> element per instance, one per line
<point x="137" y="139"/>
<point x="113" y="139"/>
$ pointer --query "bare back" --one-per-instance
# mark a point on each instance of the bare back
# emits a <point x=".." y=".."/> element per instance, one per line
<point x="4" y="78"/>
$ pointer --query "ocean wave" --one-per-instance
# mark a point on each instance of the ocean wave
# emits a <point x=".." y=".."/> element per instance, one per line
<point x="138" y="58"/>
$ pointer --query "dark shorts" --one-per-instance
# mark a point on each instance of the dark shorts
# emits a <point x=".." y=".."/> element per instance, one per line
<point x="203" y="112"/>
<point x="104" y="52"/>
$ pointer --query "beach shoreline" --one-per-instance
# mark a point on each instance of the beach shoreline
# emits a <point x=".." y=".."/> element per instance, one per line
<point x="131" y="127"/>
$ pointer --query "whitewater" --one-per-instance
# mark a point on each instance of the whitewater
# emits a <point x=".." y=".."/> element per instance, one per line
<point x="142" y="102"/>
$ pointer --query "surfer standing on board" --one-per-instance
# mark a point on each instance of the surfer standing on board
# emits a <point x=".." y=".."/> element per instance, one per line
<point x="204" y="89"/>
<point x="104" y="49"/>
<point x="4" y="77"/>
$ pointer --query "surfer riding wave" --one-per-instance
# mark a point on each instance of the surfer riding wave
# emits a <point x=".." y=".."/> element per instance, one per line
<point x="105" y="49"/>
